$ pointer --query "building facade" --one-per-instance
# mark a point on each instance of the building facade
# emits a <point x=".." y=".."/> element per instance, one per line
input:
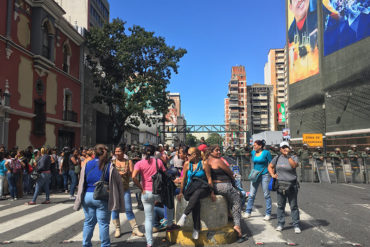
<point x="275" y="76"/>
<point x="40" y="61"/>
<point x="175" y="118"/>
<point x="236" y="108"/>
<point x="260" y="105"/>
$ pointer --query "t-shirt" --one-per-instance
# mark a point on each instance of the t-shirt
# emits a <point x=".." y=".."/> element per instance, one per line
<point x="93" y="174"/>
<point x="147" y="169"/>
<point x="3" y="169"/>
<point x="262" y="161"/>
<point x="284" y="170"/>
<point x="177" y="162"/>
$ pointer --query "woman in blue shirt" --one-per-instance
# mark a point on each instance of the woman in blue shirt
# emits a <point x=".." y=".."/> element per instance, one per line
<point x="260" y="158"/>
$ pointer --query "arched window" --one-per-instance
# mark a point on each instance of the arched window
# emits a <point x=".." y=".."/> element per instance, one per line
<point x="45" y="40"/>
<point x="66" y="57"/>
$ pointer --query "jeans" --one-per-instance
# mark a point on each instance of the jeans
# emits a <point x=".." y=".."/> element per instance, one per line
<point x="42" y="182"/>
<point x="293" y="202"/>
<point x="2" y="178"/>
<point x="128" y="207"/>
<point x="12" y="181"/>
<point x="72" y="175"/>
<point x="148" y="202"/>
<point x="26" y="182"/>
<point x="158" y="215"/>
<point x="96" y="211"/>
<point x="265" y="180"/>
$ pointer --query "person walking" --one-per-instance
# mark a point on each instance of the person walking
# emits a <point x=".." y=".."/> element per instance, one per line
<point x="3" y="171"/>
<point x="260" y="158"/>
<point x="98" y="211"/>
<point x="147" y="168"/>
<point x="125" y="169"/>
<point x="67" y="168"/>
<point x="43" y="182"/>
<point x="283" y="168"/>
<point x="195" y="168"/>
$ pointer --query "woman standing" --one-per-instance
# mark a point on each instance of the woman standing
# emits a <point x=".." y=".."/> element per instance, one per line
<point x="283" y="168"/>
<point x="261" y="158"/>
<point x="222" y="180"/>
<point x="98" y="211"/>
<point x="195" y="167"/>
<point x="14" y="167"/>
<point x="2" y="174"/>
<point x="147" y="168"/>
<point x="125" y="169"/>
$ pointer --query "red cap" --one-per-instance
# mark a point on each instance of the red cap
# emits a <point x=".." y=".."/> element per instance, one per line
<point x="202" y="147"/>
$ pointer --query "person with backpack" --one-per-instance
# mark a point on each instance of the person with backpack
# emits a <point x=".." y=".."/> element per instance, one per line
<point x="43" y="182"/>
<point x="283" y="168"/>
<point x="15" y="168"/>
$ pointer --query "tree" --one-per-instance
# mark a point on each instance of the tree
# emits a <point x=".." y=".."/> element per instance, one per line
<point x="191" y="140"/>
<point x="214" y="139"/>
<point x="131" y="70"/>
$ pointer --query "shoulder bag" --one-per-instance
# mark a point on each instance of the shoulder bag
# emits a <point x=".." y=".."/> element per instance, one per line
<point x="273" y="182"/>
<point x="255" y="174"/>
<point x="101" y="191"/>
<point x="158" y="180"/>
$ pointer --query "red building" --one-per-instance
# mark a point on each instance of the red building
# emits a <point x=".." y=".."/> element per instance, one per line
<point x="40" y="61"/>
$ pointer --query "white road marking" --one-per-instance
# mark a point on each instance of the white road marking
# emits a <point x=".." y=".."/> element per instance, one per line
<point x="363" y="205"/>
<point x="13" y="210"/>
<point x="17" y="222"/>
<point x="263" y="231"/>
<point x="354" y="186"/>
<point x="48" y="230"/>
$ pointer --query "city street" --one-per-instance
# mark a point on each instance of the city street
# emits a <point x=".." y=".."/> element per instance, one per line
<point x="331" y="215"/>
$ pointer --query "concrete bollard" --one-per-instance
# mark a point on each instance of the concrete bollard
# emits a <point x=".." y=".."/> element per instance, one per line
<point x="215" y="228"/>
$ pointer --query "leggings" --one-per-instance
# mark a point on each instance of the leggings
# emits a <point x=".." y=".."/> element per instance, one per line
<point x="233" y="197"/>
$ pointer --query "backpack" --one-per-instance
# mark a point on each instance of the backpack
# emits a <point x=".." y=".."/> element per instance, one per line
<point x="16" y="166"/>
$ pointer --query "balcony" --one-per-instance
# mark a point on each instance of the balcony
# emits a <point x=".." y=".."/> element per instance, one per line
<point x="70" y="116"/>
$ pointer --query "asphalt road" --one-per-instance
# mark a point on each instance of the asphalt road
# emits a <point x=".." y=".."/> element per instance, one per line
<point x="331" y="215"/>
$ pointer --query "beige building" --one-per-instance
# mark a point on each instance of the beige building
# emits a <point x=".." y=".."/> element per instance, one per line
<point x="276" y="75"/>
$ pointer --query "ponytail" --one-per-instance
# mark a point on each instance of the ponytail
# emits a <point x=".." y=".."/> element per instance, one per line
<point x="261" y="143"/>
<point x="101" y="152"/>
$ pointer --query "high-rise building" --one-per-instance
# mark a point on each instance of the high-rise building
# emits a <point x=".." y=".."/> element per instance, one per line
<point x="260" y="105"/>
<point x="275" y="75"/>
<point x="236" y="107"/>
<point x="85" y="13"/>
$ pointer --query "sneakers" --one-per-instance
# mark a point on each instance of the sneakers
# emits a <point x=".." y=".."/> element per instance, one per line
<point x="15" y="198"/>
<point x="181" y="221"/>
<point x="163" y="223"/>
<point x="267" y="217"/>
<point x="297" y="230"/>
<point x="246" y="215"/>
<point x="66" y="191"/>
<point x="195" y="234"/>
<point x="279" y="228"/>
<point x="72" y="198"/>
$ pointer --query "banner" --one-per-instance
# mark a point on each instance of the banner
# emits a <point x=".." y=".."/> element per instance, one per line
<point x="286" y="134"/>
<point x="281" y="112"/>
<point x="345" y="22"/>
<point x="303" y="51"/>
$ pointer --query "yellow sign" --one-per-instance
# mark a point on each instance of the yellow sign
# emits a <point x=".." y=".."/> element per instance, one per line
<point x="313" y="140"/>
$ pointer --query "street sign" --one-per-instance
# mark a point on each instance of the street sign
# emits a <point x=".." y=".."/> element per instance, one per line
<point x="313" y="140"/>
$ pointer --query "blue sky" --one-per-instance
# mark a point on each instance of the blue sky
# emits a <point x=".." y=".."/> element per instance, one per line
<point x="217" y="34"/>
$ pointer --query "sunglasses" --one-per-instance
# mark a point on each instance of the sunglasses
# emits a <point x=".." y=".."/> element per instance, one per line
<point x="285" y="146"/>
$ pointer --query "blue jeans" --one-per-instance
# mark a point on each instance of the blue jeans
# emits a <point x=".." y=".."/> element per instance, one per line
<point x="128" y="207"/>
<point x="73" y="177"/>
<point x="96" y="211"/>
<point x="148" y="202"/>
<point x="12" y="181"/>
<point x="158" y="215"/>
<point x="26" y="182"/>
<point x="2" y="178"/>
<point x="265" y="180"/>
<point x="42" y="182"/>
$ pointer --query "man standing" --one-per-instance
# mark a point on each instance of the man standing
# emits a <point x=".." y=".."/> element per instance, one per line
<point x="337" y="158"/>
<point x="353" y="155"/>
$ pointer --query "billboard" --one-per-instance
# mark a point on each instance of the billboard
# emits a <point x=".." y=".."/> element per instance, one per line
<point x="303" y="51"/>
<point x="286" y="134"/>
<point x="281" y="112"/>
<point x="345" y="22"/>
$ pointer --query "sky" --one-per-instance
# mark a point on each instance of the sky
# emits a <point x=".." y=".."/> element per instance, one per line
<point x="217" y="35"/>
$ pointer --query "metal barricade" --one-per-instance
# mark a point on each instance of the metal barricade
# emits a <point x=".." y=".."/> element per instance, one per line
<point x="330" y="165"/>
<point x="339" y="170"/>
<point x="366" y="162"/>
<point x="357" y="171"/>
<point x="307" y="171"/>
<point x="322" y="171"/>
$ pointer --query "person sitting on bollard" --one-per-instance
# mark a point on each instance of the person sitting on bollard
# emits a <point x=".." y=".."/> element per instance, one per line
<point x="222" y="182"/>
<point x="283" y="168"/>
<point x="195" y="169"/>
<point x="261" y="158"/>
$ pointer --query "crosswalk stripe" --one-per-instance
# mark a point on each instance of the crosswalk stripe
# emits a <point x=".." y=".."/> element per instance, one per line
<point x="78" y="237"/>
<point x="46" y="231"/>
<point x="13" y="210"/>
<point x="263" y="231"/>
<point x="363" y="205"/>
<point x="17" y="222"/>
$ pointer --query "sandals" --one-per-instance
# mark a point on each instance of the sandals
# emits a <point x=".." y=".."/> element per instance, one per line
<point x="30" y="203"/>
<point x="242" y="238"/>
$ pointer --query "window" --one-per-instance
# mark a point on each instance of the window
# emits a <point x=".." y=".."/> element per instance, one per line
<point x="40" y="118"/>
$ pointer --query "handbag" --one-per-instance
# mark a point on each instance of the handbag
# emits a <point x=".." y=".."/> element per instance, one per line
<point x="101" y="191"/>
<point x="35" y="175"/>
<point x="273" y="182"/>
<point x="195" y="183"/>
<point x="158" y="180"/>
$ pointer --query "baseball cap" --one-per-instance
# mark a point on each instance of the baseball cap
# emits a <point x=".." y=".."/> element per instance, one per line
<point x="282" y="144"/>
<point x="36" y="150"/>
<point x="202" y="147"/>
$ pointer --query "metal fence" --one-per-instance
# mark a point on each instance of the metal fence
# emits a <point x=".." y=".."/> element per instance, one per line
<point x="316" y="171"/>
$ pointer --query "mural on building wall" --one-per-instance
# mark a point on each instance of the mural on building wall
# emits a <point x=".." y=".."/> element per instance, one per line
<point x="345" y="22"/>
<point x="171" y="116"/>
<point x="302" y="39"/>
<point x="281" y="112"/>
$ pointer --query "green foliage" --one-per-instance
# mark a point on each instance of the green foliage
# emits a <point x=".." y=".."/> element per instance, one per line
<point x="131" y="70"/>
<point x="214" y="139"/>
<point x="191" y="140"/>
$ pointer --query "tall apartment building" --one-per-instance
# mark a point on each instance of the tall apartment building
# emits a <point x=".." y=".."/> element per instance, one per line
<point x="236" y="107"/>
<point x="276" y="75"/>
<point x="85" y="13"/>
<point x="260" y="106"/>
